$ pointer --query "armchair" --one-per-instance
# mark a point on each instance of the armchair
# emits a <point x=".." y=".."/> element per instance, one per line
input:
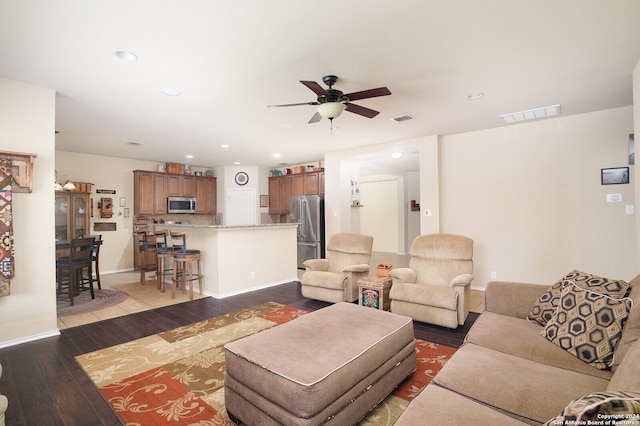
<point x="436" y="286"/>
<point x="335" y="278"/>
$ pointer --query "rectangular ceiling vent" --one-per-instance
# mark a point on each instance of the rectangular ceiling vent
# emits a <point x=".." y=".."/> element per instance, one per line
<point x="531" y="114"/>
<point x="401" y="118"/>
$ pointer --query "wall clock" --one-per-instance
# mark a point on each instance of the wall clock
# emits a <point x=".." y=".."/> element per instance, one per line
<point x="242" y="178"/>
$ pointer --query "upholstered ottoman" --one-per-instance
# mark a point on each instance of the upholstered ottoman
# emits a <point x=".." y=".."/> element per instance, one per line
<point x="331" y="366"/>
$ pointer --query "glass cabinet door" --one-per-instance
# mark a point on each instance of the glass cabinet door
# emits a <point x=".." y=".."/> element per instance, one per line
<point x="81" y="225"/>
<point x="62" y="217"/>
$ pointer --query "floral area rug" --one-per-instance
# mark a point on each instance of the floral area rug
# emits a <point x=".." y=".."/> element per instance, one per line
<point x="83" y="303"/>
<point x="177" y="377"/>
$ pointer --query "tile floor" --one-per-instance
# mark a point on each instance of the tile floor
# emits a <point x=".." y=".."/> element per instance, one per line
<point x="142" y="298"/>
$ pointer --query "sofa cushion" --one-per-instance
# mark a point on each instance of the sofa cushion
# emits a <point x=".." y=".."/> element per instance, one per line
<point x="428" y="295"/>
<point x="631" y="332"/>
<point x="546" y="305"/>
<point x="588" y="324"/>
<point x="513" y="384"/>
<point x="627" y="375"/>
<point x="519" y="337"/>
<point x="598" y="407"/>
<point x="443" y="407"/>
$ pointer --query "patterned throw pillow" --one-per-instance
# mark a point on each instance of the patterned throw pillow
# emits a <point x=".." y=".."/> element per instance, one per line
<point x="618" y="407"/>
<point x="588" y="325"/>
<point x="546" y="305"/>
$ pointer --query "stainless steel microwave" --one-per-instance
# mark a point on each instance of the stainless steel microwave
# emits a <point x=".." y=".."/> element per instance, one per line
<point x="181" y="205"/>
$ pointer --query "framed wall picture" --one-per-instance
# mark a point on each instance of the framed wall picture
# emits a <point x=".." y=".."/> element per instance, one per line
<point x="614" y="176"/>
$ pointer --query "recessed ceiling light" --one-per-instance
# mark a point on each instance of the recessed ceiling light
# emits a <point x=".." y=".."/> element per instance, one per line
<point x="189" y="156"/>
<point x="531" y="114"/>
<point x="288" y="126"/>
<point x="396" y="155"/>
<point x="225" y="146"/>
<point x="171" y="92"/>
<point x="277" y="155"/>
<point x="475" y="96"/>
<point x="125" y="55"/>
<point x="236" y="163"/>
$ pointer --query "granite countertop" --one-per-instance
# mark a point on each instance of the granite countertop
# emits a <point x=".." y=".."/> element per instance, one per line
<point x="190" y="225"/>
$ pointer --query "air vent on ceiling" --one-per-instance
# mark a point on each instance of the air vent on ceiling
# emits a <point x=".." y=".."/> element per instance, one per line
<point x="401" y="118"/>
<point x="133" y="143"/>
<point x="531" y="114"/>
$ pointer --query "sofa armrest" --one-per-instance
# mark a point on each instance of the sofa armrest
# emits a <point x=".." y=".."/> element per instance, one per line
<point x="403" y="275"/>
<point x="512" y="298"/>
<point x="363" y="267"/>
<point x="316" y="264"/>
<point x="461" y="280"/>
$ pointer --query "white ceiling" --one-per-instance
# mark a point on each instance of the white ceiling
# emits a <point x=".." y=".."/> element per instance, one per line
<point x="230" y="59"/>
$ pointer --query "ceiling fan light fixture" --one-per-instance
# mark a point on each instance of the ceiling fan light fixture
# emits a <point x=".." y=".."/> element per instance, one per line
<point x="331" y="110"/>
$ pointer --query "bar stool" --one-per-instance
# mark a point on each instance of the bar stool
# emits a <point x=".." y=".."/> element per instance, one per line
<point x="183" y="259"/>
<point x="147" y="259"/>
<point x="164" y="254"/>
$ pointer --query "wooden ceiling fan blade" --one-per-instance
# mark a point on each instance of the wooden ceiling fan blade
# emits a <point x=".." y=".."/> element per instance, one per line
<point x="298" y="104"/>
<point x="360" y="110"/>
<point x="316" y="88"/>
<point x="371" y="93"/>
<point x="316" y="117"/>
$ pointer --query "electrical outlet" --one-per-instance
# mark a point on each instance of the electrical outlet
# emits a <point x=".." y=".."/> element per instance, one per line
<point x="252" y="275"/>
<point x="629" y="209"/>
<point x="427" y="212"/>
<point x="494" y="275"/>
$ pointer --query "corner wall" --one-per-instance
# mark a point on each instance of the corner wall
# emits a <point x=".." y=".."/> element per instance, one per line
<point x="27" y="124"/>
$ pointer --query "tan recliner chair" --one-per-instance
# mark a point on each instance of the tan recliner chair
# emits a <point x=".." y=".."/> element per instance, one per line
<point x="335" y="278"/>
<point x="435" y="288"/>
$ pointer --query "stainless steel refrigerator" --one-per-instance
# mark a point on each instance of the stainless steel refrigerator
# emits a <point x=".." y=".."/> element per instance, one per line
<point x="308" y="212"/>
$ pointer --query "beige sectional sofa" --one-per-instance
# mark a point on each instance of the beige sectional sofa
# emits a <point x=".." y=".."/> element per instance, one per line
<point x="508" y="373"/>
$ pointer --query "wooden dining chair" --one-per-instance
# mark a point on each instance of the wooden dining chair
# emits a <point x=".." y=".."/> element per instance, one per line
<point x="69" y="269"/>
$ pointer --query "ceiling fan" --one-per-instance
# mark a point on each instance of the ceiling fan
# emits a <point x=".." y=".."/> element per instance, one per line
<point x="331" y="102"/>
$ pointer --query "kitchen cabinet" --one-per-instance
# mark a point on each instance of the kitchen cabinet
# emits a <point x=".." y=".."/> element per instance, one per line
<point x="72" y="215"/>
<point x="151" y="189"/>
<point x="149" y="192"/>
<point x="282" y="188"/>
<point x="279" y="194"/>
<point x="181" y="185"/>
<point x="206" y="195"/>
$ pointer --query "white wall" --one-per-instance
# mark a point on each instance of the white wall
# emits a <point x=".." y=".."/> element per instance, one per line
<point x="528" y="194"/>
<point x="530" y="197"/>
<point x="27" y="125"/>
<point x="116" y="253"/>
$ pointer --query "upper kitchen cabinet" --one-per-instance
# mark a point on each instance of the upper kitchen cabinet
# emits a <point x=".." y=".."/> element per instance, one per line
<point x="151" y="189"/>
<point x="72" y="215"/>
<point x="206" y="195"/>
<point x="181" y="185"/>
<point x="149" y="193"/>
<point x="282" y="188"/>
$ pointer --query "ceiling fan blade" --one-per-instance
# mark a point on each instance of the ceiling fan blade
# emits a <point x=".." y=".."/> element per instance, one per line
<point x="316" y="88"/>
<point x="298" y="104"/>
<point x="360" y="110"/>
<point x="316" y="117"/>
<point x="371" y="93"/>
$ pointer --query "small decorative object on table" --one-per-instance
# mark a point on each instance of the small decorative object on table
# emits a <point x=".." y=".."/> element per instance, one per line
<point x="384" y="269"/>
<point x="373" y="292"/>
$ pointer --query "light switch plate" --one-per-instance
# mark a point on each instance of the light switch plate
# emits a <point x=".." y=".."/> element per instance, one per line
<point x="629" y="209"/>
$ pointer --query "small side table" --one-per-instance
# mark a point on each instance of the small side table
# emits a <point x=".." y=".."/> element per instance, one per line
<point x="373" y="292"/>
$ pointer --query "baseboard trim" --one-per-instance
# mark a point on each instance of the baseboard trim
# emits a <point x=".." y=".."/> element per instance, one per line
<point x="28" y="339"/>
<point x="248" y="290"/>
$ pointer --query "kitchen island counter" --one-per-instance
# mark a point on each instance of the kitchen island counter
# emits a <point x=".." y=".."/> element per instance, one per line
<point x="242" y="258"/>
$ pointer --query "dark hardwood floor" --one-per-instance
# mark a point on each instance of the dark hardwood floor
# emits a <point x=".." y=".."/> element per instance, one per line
<point x="46" y="386"/>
